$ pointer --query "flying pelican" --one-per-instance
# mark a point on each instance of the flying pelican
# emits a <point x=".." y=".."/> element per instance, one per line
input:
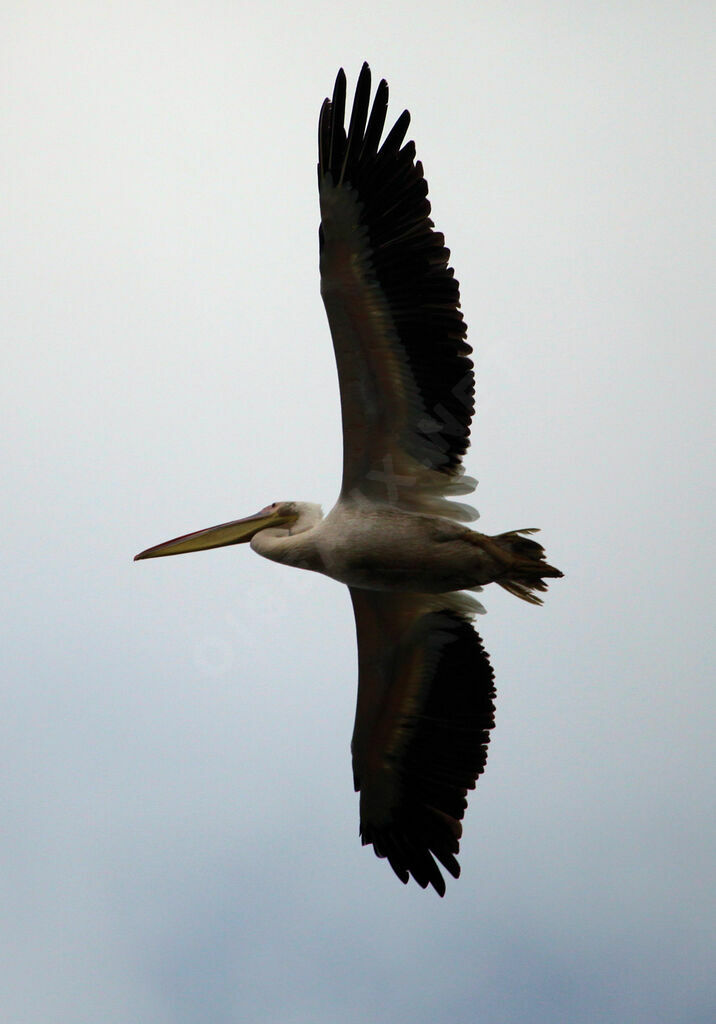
<point x="395" y="536"/>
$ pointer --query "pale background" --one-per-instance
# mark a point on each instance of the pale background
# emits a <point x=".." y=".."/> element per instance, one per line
<point x="179" y="832"/>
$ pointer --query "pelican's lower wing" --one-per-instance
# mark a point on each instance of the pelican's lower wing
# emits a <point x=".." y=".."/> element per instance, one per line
<point x="423" y="719"/>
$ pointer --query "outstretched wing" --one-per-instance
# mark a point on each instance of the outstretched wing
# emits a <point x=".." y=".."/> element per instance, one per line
<point x="423" y="719"/>
<point x="406" y="380"/>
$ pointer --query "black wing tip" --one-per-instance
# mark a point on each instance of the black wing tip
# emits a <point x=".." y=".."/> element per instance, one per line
<point x="336" y="146"/>
<point x="396" y="135"/>
<point x="414" y="844"/>
<point x="364" y="70"/>
<point x="414" y="861"/>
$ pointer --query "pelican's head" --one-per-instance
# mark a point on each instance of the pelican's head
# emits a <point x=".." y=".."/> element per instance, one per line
<point x="280" y="513"/>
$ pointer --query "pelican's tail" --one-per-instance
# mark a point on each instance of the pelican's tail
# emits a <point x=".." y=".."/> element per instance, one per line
<point x="525" y="565"/>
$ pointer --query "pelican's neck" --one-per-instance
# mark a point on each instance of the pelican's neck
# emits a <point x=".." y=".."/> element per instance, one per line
<point x="295" y="545"/>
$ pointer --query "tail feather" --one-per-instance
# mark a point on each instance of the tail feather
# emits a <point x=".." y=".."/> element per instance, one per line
<point x="525" y="565"/>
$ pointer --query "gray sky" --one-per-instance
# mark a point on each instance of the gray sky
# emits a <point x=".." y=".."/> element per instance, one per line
<point x="179" y="827"/>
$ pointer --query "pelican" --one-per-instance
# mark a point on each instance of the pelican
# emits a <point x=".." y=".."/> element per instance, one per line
<point x="396" y="536"/>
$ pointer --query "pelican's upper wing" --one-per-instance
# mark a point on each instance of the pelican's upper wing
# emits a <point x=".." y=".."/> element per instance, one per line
<point x="406" y="380"/>
<point x="423" y="719"/>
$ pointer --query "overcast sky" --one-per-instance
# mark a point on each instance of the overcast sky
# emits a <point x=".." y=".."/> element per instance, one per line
<point x="179" y="829"/>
